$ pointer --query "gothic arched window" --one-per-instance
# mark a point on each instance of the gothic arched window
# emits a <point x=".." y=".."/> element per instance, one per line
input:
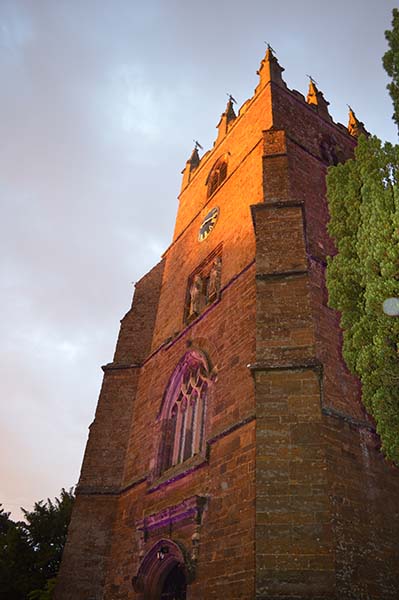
<point x="183" y="411"/>
<point x="217" y="175"/>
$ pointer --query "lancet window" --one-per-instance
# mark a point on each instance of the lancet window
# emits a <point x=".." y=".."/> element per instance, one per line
<point x="183" y="413"/>
<point x="217" y="175"/>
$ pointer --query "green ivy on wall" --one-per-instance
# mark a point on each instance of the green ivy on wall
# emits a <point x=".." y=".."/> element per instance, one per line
<point x="363" y="199"/>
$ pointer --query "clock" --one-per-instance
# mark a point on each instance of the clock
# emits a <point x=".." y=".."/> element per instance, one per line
<point x="208" y="224"/>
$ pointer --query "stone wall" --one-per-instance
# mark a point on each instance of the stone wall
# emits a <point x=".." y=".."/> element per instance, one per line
<point x="289" y="498"/>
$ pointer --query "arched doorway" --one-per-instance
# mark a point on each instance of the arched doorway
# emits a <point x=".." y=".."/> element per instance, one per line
<point x="175" y="585"/>
<point x="164" y="572"/>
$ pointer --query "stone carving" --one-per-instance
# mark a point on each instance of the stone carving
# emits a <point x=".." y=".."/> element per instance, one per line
<point x="195" y="541"/>
<point x="328" y="151"/>
<point x="195" y="296"/>
<point x="214" y="279"/>
<point x="204" y="288"/>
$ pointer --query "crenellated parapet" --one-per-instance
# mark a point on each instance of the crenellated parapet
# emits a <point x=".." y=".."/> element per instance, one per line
<point x="272" y="84"/>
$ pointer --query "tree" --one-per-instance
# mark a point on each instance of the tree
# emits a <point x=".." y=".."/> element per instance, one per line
<point x="46" y="529"/>
<point x="46" y="593"/>
<point x="30" y="552"/>
<point x="363" y="201"/>
<point x="390" y="61"/>
<point x="17" y="575"/>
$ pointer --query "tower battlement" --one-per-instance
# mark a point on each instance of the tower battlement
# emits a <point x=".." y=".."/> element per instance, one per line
<point x="270" y="74"/>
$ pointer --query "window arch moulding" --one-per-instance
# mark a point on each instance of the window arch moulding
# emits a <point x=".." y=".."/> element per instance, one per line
<point x="217" y="175"/>
<point x="183" y="412"/>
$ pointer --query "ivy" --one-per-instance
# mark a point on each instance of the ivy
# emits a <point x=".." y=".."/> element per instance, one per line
<point x="364" y="207"/>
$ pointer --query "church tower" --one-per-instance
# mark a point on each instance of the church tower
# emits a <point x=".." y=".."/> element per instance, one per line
<point x="230" y="455"/>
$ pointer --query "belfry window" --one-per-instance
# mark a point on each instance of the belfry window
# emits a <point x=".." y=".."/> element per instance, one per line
<point x="217" y="175"/>
<point x="183" y="411"/>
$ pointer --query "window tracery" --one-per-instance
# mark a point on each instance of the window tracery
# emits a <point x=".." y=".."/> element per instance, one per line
<point x="183" y="413"/>
<point x="217" y="175"/>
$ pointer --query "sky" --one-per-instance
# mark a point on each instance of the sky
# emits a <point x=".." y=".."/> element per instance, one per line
<point x="99" y="105"/>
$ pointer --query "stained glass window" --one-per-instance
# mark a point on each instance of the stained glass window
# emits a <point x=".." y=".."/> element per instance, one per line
<point x="184" y="410"/>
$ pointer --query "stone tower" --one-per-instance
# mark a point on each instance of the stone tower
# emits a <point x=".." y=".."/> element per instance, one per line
<point x="230" y="455"/>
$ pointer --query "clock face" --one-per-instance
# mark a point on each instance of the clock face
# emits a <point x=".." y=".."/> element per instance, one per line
<point x="208" y="224"/>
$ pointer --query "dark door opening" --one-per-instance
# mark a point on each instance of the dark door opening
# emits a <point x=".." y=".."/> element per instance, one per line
<point x="174" y="587"/>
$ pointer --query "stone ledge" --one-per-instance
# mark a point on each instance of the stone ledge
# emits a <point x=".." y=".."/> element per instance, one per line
<point x="358" y="423"/>
<point x="281" y="275"/>
<point x="286" y="365"/>
<point x="118" y="367"/>
<point x="221" y="434"/>
<point x="96" y="491"/>
<point x="180" y="470"/>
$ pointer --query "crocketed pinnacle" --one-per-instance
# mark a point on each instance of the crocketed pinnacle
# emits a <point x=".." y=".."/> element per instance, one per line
<point x="315" y="98"/>
<point x="226" y="118"/>
<point x="194" y="159"/>
<point x="229" y="113"/>
<point x="191" y="165"/>
<point x="270" y="69"/>
<point x="355" y="127"/>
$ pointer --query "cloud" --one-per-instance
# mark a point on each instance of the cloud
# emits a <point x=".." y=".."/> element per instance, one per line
<point x="100" y="104"/>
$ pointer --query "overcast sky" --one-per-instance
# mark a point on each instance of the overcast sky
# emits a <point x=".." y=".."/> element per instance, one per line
<point x="99" y="104"/>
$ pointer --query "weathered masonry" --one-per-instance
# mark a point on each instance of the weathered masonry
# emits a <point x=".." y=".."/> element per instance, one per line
<point x="230" y="456"/>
